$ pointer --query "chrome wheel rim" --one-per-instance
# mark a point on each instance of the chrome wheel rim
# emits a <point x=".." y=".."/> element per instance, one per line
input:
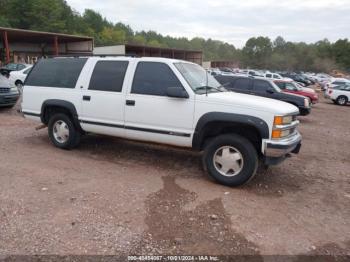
<point x="228" y="161"/>
<point x="61" y="131"/>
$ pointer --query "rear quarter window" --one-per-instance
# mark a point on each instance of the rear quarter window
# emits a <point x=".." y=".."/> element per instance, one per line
<point x="56" y="72"/>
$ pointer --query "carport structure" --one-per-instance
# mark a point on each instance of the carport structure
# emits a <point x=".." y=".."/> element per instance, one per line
<point x="195" y="56"/>
<point x="18" y="45"/>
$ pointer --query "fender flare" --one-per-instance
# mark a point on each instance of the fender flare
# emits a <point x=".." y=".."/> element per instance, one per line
<point x="60" y="103"/>
<point x="259" y="124"/>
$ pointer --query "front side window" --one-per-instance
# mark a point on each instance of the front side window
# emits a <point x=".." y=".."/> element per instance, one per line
<point x="153" y="78"/>
<point x="20" y="67"/>
<point x="281" y="85"/>
<point x="290" y="86"/>
<point x="108" y="76"/>
<point x="198" y="79"/>
<point x="56" y="72"/>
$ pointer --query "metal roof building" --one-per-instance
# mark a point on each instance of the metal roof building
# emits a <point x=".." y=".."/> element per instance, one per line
<point x="194" y="56"/>
<point x="26" y="46"/>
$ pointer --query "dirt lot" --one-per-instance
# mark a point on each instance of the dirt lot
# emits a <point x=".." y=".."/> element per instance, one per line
<point x="111" y="196"/>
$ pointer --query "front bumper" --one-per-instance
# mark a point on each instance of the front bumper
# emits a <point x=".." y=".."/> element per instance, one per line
<point x="304" y="111"/>
<point x="8" y="99"/>
<point x="275" y="151"/>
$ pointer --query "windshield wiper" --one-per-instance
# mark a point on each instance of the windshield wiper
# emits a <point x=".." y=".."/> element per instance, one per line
<point x="214" y="88"/>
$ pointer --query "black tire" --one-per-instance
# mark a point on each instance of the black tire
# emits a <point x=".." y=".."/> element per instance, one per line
<point x="247" y="151"/>
<point x="342" y="100"/>
<point x="73" y="138"/>
<point x="18" y="82"/>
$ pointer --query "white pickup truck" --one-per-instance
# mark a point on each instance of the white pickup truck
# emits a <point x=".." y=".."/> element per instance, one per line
<point x="163" y="101"/>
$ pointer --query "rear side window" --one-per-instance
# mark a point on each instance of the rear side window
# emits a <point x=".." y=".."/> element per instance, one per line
<point x="226" y="81"/>
<point x="152" y="78"/>
<point x="108" y="76"/>
<point x="269" y="75"/>
<point x="56" y="72"/>
<point x="261" y="85"/>
<point x="243" y="84"/>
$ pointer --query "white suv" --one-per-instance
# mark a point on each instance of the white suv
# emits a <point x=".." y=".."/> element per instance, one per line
<point x="164" y="101"/>
<point x="340" y="95"/>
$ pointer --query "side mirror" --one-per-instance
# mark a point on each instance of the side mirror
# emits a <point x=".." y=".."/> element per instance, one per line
<point x="176" y="92"/>
<point x="270" y="90"/>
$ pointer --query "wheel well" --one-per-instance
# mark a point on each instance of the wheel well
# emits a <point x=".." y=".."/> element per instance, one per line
<point x="214" y="129"/>
<point x="49" y="111"/>
<point x="342" y="96"/>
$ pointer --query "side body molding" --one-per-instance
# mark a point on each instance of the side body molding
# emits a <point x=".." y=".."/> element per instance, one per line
<point x="228" y="118"/>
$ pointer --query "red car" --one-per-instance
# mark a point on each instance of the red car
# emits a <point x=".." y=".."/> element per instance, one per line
<point x="288" y="86"/>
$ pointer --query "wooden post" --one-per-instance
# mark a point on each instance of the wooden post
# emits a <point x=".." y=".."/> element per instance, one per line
<point x="173" y="53"/>
<point x="56" y="46"/>
<point x="6" y="42"/>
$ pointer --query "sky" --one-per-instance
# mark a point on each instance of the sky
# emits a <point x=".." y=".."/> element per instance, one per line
<point x="233" y="21"/>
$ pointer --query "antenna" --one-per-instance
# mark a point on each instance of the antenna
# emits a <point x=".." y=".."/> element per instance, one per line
<point x="207" y="82"/>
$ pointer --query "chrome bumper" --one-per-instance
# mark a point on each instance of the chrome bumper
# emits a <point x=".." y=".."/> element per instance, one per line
<point x="282" y="147"/>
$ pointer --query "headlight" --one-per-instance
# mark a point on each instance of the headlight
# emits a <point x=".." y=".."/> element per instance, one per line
<point x="14" y="89"/>
<point x="283" y="120"/>
<point x="306" y="102"/>
<point x="283" y="126"/>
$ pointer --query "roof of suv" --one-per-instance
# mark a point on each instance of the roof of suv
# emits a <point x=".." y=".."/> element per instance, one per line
<point x="129" y="58"/>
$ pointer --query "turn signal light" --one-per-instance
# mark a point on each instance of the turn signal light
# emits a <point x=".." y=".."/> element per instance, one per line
<point x="276" y="133"/>
<point x="278" y="120"/>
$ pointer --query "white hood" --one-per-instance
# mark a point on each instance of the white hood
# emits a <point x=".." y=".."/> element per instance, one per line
<point x="273" y="106"/>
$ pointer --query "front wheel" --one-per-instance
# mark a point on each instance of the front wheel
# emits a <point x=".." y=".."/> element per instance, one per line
<point x="230" y="159"/>
<point x="342" y="100"/>
<point x="62" y="132"/>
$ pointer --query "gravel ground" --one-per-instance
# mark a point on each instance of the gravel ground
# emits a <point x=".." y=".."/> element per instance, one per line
<point x="111" y="196"/>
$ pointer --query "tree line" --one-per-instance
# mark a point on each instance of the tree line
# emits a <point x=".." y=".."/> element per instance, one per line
<point x="258" y="52"/>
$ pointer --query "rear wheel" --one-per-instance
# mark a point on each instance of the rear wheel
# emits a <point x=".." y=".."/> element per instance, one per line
<point x="230" y="159"/>
<point x="342" y="100"/>
<point x="62" y="131"/>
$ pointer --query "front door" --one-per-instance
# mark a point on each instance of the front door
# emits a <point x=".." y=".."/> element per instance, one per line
<point x="150" y="114"/>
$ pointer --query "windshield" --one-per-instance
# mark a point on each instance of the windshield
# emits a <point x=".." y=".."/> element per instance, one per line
<point x="198" y="79"/>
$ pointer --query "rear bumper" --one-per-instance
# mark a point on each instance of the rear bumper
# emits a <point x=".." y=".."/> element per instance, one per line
<point x="275" y="151"/>
<point x="8" y="99"/>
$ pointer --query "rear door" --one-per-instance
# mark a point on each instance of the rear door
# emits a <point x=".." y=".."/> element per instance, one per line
<point x="103" y="98"/>
<point x="243" y="85"/>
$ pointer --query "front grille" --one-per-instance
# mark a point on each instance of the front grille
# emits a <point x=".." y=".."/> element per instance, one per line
<point x="4" y="90"/>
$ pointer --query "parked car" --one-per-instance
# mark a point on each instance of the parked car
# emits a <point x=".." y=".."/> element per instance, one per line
<point x="163" y="101"/>
<point x="8" y="93"/>
<point x="18" y="77"/>
<point x="273" y="76"/>
<point x="298" y="78"/>
<point x="336" y="82"/>
<point x="294" y="88"/>
<point x="15" y="66"/>
<point x="340" y="96"/>
<point x="265" y="88"/>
